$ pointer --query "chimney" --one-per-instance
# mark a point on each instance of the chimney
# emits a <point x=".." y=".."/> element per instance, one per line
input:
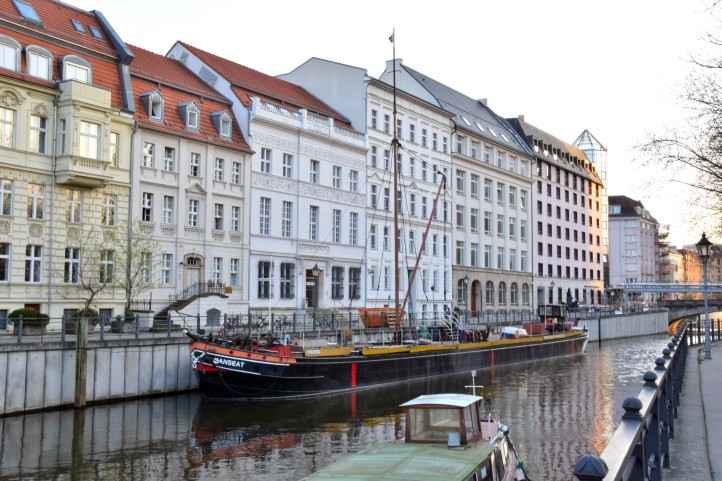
<point x="483" y="101"/>
<point x="390" y="65"/>
<point x="521" y="118"/>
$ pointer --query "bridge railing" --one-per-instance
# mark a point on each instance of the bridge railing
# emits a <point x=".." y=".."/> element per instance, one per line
<point x="639" y="448"/>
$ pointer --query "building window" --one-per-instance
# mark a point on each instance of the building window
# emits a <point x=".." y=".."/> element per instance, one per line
<point x="460" y="253"/>
<point x="146" y="262"/>
<point x="33" y="263"/>
<point x="265" y="216"/>
<point x="146" y="214"/>
<point x="7" y="127"/>
<point x="168" y="210"/>
<point x="235" y="218"/>
<point x="225" y="125"/>
<point x="374" y="118"/>
<point x="195" y="170"/>
<point x="193" y="210"/>
<point x="313" y="224"/>
<point x="336" y="177"/>
<point x="288" y="165"/>
<point x="219" y="175"/>
<point x="235" y="271"/>
<point x="266" y="157"/>
<point x="424" y="137"/>
<point x="353" y="229"/>
<point x="287" y="280"/>
<point x="106" y="266"/>
<point x="314" y="173"/>
<point x="36" y="201"/>
<point x="38" y="131"/>
<point x="72" y="265"/>
<point x="502" y="293"/>
<point x="169" y="159"/>
<point x="76" y="69"/>
<point x="514" y="294"/>
<point x="354" y="283"/>
<point x="286" y="217"/>
<point x="218" y="270"/>
<point x="89" y="139"/>
<point x="337" y="282"/>
<point x="4" y="262"/>
<point x="264" y="280"/>
<point x="166" y="272"/>
<point x="74" y="207"/>
<point x="192" y="116"/>
<point x="386" y="238"/>
<point x="107" y="216"/>
<point x="114" y="154"/>
<point x="337" y="225"/>
<point x="387" y="123"/>
<point x="218" y="216"/>
<point x="9" y="53"/>
<point x="372" y="237"/>
<point x="353" y="180"/>
<point x="489" y="293"/>
<point x="236" y="173"/>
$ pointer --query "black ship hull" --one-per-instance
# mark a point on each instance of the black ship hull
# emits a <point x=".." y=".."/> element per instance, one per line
<point x="227" y="374"/>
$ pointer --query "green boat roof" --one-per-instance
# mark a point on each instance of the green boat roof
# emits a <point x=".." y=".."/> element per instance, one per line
<point x="406" y="461"/>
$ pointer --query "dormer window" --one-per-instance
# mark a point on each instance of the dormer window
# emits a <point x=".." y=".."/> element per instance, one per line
<point x="190" y="115"/>
<point x="75" y="68"/>
<point x="222" y="122"/>
<point x="27" y="11"/>
<point x="39" y="62"/>
<point x="155" y="107"/>
<point x="9" y="53"/>
<point x="77" y="26"/>
<point x="225" y="126"/>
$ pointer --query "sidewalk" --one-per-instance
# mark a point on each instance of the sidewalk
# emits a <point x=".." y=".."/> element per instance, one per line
<point x="692" y="442"/>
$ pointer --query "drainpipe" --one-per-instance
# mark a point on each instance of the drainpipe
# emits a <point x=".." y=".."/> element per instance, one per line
<point x="131" y="203"/>
<point x="53" y="163"/>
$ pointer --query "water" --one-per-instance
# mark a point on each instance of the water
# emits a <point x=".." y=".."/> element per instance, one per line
<point x="557" y="410"/>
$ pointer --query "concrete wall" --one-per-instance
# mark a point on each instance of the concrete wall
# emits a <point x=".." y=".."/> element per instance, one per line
<point x="642" y="324"/>
<point x="41" y="377"/>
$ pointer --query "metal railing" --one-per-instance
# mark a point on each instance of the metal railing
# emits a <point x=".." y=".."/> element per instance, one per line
<point x="198" y="289"/>
<point x="639" y="448"/>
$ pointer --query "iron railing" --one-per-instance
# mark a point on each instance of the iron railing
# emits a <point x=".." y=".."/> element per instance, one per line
<point x="198" y="289"/>
<point x="639" y="448"/>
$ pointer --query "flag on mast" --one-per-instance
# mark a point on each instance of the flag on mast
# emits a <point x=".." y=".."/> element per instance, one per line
<point x="391" y="38"/>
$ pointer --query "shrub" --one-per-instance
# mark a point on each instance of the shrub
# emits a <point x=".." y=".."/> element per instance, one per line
<point x="30" y="317"/>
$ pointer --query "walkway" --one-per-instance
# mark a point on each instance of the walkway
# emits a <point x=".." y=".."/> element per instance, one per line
<point x="692" y="442"/>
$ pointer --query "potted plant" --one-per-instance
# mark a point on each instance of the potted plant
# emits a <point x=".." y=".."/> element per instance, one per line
<point x="34" y="322"/>
<point x="89" y="315"/>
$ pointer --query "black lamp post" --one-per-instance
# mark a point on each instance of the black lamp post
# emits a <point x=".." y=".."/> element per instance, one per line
<point x="704" y="247"/>
<point x="466" y="297"/>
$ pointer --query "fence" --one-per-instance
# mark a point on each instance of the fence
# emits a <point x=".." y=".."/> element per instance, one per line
<point x="639" y="448"/>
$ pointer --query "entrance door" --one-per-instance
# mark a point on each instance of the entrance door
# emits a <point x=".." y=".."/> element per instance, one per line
<point x="312" y="288"/>
<point x="193" y="271"/>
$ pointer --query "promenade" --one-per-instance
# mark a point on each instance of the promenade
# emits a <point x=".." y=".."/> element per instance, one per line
<point x="697" y="446"/>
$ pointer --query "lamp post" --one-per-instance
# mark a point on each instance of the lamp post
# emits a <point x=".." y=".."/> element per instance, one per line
<point x="704" y="246"/>
<point x="466" y="298"/>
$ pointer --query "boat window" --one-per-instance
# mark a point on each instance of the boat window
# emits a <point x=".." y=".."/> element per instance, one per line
<point x="433" y="425"/>
<point x="485" y="472"/>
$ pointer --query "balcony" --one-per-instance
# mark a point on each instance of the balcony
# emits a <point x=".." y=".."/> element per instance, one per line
<point x="82" y="172"/>
<point x="73" y="91"/>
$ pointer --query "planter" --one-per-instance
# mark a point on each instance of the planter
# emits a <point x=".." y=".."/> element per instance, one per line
<point x="31" y="329"/>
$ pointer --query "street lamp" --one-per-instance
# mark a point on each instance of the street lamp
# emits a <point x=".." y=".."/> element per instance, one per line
<point x="704" y="246"/>
<point x="466" y="297"/>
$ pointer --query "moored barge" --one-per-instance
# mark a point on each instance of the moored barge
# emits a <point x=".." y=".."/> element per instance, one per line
<point x="228" y="371"/>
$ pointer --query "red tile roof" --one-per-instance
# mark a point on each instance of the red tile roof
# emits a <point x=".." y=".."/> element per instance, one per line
<point x="249" y="82"/>
<point x="152" y="72"/>
<point x="56" y="20"/>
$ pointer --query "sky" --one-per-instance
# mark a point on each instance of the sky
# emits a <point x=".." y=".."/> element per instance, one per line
<point x="615" y="67"/>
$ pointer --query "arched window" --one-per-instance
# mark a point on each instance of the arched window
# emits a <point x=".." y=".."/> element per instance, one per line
<point x="192" y="115"/>
<point x="489" y="293"/>
<point x="514" y="294"/>
<point x="9" y="53"/>
<point x="525" y="294"/>
<point x="76" y="68"/>
<point x="222" y="123"/>
<point x="39" y="62"/>
<point x="461" y="292"/>
<point x="502" y="293"/>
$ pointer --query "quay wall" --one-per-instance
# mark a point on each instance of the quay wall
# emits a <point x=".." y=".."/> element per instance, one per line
<point x="631" y="325"/>
<point x="36" y="377"/>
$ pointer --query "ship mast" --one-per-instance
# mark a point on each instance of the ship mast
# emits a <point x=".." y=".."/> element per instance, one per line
<point x="395" y="160"/>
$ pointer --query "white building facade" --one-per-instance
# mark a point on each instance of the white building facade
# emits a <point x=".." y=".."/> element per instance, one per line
<point x="632" y="242"/>
<point x="307" y="218"/>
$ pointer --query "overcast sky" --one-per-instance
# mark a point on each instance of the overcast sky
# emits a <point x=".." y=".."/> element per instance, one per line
<point x="616" y="67"/>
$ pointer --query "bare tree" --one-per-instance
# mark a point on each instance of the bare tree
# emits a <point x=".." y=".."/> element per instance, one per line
<point x="139" y="259"/>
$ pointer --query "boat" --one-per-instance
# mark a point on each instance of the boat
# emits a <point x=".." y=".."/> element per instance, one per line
<point x="447" y="438"/>
<point x="229" y="370"/>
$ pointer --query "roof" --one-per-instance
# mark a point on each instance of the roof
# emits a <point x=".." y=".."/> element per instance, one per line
<point x="170" y="72"/>
<point x="470" y="114"/>
<point x="532" y="133"/>
<point x="248" y="82"/>
<point x="177" y="85"/>
<point x="56" y="18"/>
<point x="629" y="208"/>
<point x="455" y="400"/>
<point x="405" y="461"/>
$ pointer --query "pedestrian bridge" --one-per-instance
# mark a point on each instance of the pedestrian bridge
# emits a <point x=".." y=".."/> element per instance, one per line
<point x="678" y="309"/>
<point x="688" y="308"/>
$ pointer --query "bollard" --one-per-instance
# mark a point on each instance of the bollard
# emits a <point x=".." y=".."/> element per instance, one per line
<point x="659" y="364"/>
<point x="666" y="353"/>
<point x="590" y="468"/>
<point x="650" y="379"/>
<point x="632" y="406"/>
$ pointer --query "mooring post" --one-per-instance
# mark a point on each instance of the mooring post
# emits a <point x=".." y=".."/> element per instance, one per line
<point x="81" y="360"/>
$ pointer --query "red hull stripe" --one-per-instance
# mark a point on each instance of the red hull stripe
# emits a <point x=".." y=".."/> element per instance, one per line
<point x="353" y="374"/>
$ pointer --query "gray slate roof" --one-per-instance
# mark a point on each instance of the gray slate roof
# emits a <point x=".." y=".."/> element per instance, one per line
<point x="474" y="111"/>
<point x="630" y="208"/>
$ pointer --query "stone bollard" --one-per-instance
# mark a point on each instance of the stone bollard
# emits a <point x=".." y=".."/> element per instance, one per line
<point x="590" y="468"/>
<point x="650" y="379"/>
<point x="659" y="364"/>
<point x="666" y="353"/>
<point x="632" y="406"/>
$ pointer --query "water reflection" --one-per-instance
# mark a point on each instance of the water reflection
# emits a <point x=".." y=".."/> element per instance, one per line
<point x="557" y="408"/>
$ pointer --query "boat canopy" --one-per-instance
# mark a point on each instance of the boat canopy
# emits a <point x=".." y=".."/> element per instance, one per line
<point x="448" y="400"/>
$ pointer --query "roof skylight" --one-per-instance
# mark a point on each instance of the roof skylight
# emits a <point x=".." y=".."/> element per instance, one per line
<point x="503" y="136"/>
<point x="466" y="121"/>
<point x="96" y="33"/>
<point x="493" y="133"/>
<point x="77" y="26"/>
<point x="478" y="126"/>
<point x="27" y="11"/>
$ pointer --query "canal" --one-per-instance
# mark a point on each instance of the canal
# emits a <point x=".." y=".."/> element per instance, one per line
<point x="557" y="410"/>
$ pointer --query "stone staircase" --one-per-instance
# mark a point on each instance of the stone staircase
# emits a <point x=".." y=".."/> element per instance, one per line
<point x="183" y="299"/>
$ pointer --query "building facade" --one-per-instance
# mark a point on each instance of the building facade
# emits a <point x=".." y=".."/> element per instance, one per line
<point x="567" y="197"/>
<point x="190" y="188"/>
<point x="66" y="125"/>
<point x="490" y="188"/>
<point x="423" y="129"/>
<point x="307" y="219"/>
